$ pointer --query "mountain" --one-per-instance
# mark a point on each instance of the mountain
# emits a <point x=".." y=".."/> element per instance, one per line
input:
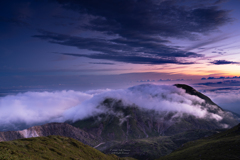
<point x="151" y="132"/>
<point x="144" y="122"/>
<point x="124" y="121"/>
<point x="51" y="147"/>
<point x="224" y="145"/>
<point x="190" y="90"/>
<point x="61" y="129"/>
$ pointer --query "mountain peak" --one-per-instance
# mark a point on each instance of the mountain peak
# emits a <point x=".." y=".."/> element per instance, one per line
<point x="190" y="90"/>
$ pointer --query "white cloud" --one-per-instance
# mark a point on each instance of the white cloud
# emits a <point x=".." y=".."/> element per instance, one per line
<point x="33" y="108"/>
<point x="227" y="99"/>
<point x="36" y="107"/>
<point x="151" y="97"/>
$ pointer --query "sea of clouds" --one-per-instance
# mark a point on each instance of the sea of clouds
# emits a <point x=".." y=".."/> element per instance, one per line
<point x="228" y="99"/>
<point x="33" y="108"/>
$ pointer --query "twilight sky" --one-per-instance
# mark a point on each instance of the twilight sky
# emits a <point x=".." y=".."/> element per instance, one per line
<point x="92" y="44"/>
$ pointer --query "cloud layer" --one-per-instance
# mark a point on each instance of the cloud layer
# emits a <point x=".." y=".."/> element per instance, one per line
<point x="227" y="98"/>
<point x="31" y="108"/>
<point x="137" y="31"/>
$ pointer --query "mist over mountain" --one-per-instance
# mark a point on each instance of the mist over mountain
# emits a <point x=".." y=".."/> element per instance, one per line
<point x="24" y="110"/>
<point x="228" y="97"/>
<point x="150" y="110"/>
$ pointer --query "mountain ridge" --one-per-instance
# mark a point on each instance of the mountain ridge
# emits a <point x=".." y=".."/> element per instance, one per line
<point x="190" y="90"/>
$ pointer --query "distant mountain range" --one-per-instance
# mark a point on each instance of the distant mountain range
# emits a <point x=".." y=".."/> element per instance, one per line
<point x="143" y="133"/>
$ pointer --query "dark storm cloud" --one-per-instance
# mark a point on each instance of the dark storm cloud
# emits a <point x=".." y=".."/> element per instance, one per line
<point x="130" y="59"/>
<point x="124" y="51"/>
<point x="140" y="28"/>
<point x="223" y="62"/>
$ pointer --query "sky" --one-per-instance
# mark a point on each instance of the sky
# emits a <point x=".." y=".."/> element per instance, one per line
<point x="91" y="44"/>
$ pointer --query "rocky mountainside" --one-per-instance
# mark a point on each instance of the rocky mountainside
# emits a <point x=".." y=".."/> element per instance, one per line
<point x="123" y="122"/>
<point x="224" y="146"/>
<point x="51" y="147"/>
<point x="61" y="129"/>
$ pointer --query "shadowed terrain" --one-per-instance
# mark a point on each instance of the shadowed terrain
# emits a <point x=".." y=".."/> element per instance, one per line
<point x="224" y="145"/>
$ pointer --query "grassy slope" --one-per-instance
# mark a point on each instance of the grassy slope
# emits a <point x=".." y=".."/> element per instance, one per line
<point x="224" y="145"/>
<point x="52" y="148"/>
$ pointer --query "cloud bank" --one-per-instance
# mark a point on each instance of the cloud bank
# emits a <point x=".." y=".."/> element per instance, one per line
<point x="31" y="108"/>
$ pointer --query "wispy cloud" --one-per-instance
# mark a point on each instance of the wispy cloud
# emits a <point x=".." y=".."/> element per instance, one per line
<point x="223" y="62"/>
<point x="144" y="53"/>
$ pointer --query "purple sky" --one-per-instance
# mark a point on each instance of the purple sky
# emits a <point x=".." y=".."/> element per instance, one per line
<point x="91" y="44"/>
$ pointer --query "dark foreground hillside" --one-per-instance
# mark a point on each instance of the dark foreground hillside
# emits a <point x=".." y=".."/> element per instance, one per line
<point x="221" y="146"/>
<point x="153" y="147"/>
<point x="51" y="147"/>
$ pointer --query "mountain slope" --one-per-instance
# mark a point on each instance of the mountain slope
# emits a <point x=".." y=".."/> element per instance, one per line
<point x="51" y="147"/>
<point x="224" y="145"/>
<point x="61" y="129"/>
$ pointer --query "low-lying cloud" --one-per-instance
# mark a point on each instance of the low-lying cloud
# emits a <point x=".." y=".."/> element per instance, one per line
<point x="33" y="108"/>
<point x="30" y="108"/>
<point x="228" y="98"/>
